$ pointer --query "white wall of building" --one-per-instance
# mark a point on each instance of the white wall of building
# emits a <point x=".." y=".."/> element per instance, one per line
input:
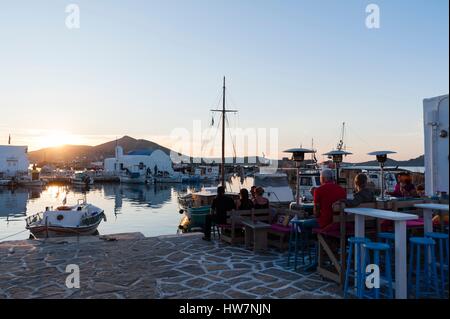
<point x="13" y="160"/>
<point x="133" y="162"/>
<point x="436" y="127"/>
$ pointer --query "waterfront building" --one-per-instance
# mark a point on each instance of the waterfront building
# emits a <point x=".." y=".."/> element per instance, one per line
<point x="139" y="161"/>
<point x="13" y="160"/>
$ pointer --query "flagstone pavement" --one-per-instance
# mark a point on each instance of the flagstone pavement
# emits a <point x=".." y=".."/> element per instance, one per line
<point x="132" y="266"/>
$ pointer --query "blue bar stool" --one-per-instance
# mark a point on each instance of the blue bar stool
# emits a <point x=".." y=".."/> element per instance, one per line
<point x="297" y="244"/>
<point x="388" y="238"/>
<point x="377" y="249"/>
<point x="442" y="242"/>
<point x="357" y="243"/>
<point x="430" y="282"/>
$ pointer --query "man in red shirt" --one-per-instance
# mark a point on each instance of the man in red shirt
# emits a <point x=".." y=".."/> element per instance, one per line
<point x="324" y="197"/>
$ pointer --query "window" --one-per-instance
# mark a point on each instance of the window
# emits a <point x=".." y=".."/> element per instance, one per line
<point x="275" y="181"/>
<point x="305" y="181"/>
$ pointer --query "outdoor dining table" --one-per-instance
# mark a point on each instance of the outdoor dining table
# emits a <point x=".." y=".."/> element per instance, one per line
<point x="256" y="234"/>
<point x="400" y="220"/>
<point x="428" y="214"/>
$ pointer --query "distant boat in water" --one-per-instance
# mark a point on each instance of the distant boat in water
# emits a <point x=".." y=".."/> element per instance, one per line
<point x="82" y="179"/>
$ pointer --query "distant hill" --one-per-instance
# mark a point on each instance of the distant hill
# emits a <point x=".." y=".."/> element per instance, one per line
<point x="418" y="161"/>
<point x="87" y="154"/>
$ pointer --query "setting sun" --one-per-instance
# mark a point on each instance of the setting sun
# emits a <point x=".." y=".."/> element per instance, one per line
<point x="58" y="138"/>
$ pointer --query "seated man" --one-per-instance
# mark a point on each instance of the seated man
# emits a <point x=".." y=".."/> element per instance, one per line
<point x="363" y="194"/>
<point x="324" y="197"/>
<point x="220" y="206"/>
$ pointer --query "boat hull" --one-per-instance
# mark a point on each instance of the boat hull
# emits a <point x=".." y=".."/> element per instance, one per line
<point x="43" y="231"/>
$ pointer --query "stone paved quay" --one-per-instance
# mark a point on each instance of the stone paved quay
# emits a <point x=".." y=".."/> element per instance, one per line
<point x="131" y="266"/>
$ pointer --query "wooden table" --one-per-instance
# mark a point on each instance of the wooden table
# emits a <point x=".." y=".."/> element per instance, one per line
<point x="256" y="232"/>
<point x="400" y="240"/>
<point x="428" y="214"/>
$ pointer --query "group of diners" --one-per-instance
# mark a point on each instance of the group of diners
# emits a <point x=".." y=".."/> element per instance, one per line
<point x="223" y="204"/>
<point x="325" y="196"/>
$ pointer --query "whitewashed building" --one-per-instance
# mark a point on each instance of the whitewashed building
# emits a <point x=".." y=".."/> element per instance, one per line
<point x="436" y="132"/>
<point x="13" y="160"/>
<point x="154" y="161"/>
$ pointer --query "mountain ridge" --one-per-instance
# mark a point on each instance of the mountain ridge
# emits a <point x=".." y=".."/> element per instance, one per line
<point x="87" y="154"/>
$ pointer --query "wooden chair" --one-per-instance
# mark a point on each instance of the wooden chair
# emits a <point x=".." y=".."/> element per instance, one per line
<point x="230" y="230"/>
<point x="279" y="234"/>
<point x="333" y="238"/>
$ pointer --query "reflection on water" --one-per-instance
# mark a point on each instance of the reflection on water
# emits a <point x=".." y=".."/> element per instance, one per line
<point x="151" y="210"/>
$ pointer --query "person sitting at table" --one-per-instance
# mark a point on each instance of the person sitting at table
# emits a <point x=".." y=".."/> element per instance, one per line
<point x="404" y="187"/>
<point x="244" y="202"/>
<point x="407" y="188"/>
<point x="421" y="191"/>
<point x="362" y="194"/>
<point x="325" y="196"/>
<point x="253" y="193"/>
<point x="220" y="206"/>
<point x="260" y="201"/>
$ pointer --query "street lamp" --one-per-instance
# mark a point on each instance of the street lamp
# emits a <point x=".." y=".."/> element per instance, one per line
<point x="382" y="158"/>
<point x="298" y="156"/>
<point x="337" y="157"/>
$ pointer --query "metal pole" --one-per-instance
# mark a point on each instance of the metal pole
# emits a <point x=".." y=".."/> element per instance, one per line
<point x="382" y="181"/>
<point x="223" y="134"/>
<point x="298" y="185"/>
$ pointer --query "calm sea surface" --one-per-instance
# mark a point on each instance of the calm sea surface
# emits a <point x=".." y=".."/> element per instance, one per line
<point x="151" y="210"/>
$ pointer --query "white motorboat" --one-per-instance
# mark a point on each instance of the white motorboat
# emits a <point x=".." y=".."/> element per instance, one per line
<point x="133" y="178"/>
<point x="28" y="181"/>
<point x="80" y="219"/>
<point x="276" y="187"/>
<point x="82" y="179"/>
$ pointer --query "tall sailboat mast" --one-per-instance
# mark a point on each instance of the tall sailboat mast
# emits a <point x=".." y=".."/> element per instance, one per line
<point x="223" y="135"/>
<point x="224" y="112"/>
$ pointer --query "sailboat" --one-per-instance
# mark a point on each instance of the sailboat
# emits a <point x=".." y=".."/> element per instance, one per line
<point x="196" y="206"/>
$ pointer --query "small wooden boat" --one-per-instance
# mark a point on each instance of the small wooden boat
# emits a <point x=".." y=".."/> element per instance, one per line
<point x="77" y="220"/>
<point x="196" y="206"/>
<point x="82" y="179"/>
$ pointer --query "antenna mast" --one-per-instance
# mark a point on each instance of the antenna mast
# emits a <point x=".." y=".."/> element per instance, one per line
<point x="224" y="111"/>
<point x="340" y="145"/>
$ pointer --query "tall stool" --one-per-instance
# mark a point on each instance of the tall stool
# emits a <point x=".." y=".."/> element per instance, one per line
<point x="298" y="244"/>
<point x="429" y="273"/>
<point x="442" y="246"/>
<point x="357" y="243"/>
<point x="377" y="249"/>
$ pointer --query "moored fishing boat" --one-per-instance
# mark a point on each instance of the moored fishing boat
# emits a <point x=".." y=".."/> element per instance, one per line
<point x="82" y="179"/>
<point x="196" y="206"/>
<point x="128" y="177"/>
<point x="80" y="219"/>
<point x="28" y="181"/>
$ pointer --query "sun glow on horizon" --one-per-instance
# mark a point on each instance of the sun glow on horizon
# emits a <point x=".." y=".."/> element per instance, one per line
<point x="58" y="138"/>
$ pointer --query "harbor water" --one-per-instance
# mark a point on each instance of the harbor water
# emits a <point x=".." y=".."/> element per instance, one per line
<point x="149" y="209"/>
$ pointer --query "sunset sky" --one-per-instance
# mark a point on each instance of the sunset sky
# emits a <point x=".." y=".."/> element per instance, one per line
<point x="145" y="68"/>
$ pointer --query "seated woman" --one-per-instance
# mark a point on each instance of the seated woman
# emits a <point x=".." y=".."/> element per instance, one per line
<point x="244" y="202"/>
<point x="362" y="194"/>
<point x="260" y="201"/>
<point x="404" y="187"/>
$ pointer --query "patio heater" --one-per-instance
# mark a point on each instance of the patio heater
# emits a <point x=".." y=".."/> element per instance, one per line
<point x="381" y="159"/>
<point x="298" y="156"/>
<point x="337" y="156"/>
